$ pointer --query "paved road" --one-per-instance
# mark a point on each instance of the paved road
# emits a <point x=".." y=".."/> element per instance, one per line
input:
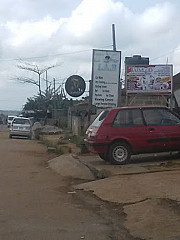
<point x="36" y="203"/>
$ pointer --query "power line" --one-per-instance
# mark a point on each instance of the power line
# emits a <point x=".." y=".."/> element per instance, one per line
<point x="165" y="54"/>
<point x="76" y="52"/>
<point x="51" y="55"/>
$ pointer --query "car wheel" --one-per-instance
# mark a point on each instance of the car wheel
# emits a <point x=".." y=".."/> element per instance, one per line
<point x="10" y="136"/>
<point x="104" y="156"/>
<point x="119" y="153"/>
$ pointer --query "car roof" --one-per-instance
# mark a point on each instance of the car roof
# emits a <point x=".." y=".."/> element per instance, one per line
<point x="141" y="107"/>
<point x="22" y="118"/>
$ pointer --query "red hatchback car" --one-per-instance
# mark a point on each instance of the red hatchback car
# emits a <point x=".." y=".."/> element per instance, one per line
<point x="118" y="133"/>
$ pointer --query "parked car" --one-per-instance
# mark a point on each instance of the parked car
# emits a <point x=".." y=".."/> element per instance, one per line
<point x="9" y="120"/>
<point x="118" y="133"/>
<point x="21" y="126"/>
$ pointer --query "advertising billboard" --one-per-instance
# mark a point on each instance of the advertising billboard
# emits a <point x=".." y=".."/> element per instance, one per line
<point x="149" y="79"/>
<point x="105" y="78"/>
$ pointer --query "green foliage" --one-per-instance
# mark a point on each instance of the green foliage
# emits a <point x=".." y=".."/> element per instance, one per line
<point x="44" y="103"/>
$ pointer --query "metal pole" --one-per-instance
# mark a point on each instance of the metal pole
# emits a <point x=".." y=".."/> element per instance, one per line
<point x="114" y="37"/>
<point x="54" y="100"/>
<point x="90" y="101"/>
<point x="54" y="81"/>
<point x="39" y="83"/>
<point x="114" y="49"/>
<point x="46" y="81"/>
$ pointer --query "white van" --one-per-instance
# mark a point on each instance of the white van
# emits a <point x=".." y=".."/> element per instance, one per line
<point x="9" y="120"/>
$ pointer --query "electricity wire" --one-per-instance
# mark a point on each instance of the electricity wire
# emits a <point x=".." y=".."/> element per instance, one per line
<point x="52" y="55"/>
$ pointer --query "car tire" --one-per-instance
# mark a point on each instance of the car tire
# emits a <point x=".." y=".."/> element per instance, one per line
<point x="119" y="153"/>
<point x="104" y="156"/>
<point x="10" y="136"/>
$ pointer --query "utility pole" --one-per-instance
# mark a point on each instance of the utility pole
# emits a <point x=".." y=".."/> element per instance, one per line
<point x="54" y="82"/>
<point x="114" y="37"/>
<point x="90" y="101"/>
<point x="114" y="49"/>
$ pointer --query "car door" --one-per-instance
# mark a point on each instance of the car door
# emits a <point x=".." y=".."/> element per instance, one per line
<point x="171" y="127"/>
<point x="129" y="125"/>
<point x="162" y="132"/>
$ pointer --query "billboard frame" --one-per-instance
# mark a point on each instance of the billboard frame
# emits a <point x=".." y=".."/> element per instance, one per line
<point x="106" y="105"/>
<point x="155" y="92"/>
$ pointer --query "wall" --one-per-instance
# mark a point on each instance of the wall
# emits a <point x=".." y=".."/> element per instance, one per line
<point x="146" y="100"/>
<point x="60" y="118"/>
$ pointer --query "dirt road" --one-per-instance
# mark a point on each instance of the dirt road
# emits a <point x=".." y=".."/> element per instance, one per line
<point x="36" y="203"/>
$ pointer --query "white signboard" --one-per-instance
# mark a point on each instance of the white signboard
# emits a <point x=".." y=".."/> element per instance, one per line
<point x="149" y="78"/>
<point x="105" y="78"/>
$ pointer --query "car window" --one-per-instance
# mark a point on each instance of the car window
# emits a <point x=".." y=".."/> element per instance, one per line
<point x="21" y="121"/>
<point x="156" y="117"/>
<point x="128" y="118"/>
<point x="97" y="122"/>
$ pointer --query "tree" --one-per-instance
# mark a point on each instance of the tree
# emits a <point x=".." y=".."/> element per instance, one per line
<point x="43" y="104"/>
<point x="33" y="68"/>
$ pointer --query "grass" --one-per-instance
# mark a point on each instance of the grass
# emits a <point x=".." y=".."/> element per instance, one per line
<point x="78" y="140"/>
<point x="60" y="146"/>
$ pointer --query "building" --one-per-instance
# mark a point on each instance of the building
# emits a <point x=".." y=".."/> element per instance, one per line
<point x="176" y="92"/>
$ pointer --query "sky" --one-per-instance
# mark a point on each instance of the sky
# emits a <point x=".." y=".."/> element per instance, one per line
<point x="63" y="33"/>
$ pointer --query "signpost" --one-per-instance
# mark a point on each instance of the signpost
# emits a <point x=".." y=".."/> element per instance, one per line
<point x="105" y="78"/>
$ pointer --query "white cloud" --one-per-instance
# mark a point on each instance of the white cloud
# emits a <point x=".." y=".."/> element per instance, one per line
<point x="154" y="25"/>
<point x="33" y="31"/>
<point x="87" y="15"/>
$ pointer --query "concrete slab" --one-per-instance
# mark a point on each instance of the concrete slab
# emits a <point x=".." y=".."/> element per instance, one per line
<point x="153" y="219"/>
<point x="150" y="202"/>
<point x="91" y="167"/>
<point x="69" y="166"/>
<point x="129" y="189"/>
<point x="143" y="163"/>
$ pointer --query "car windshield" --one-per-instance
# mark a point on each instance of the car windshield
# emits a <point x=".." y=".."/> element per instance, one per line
<point x="10" y="118"/>
<point x="21" y="121"/>
<point x="97" y="122"/>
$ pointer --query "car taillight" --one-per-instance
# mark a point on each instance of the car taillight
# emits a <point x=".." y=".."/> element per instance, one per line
<point x="92" y="133"/>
